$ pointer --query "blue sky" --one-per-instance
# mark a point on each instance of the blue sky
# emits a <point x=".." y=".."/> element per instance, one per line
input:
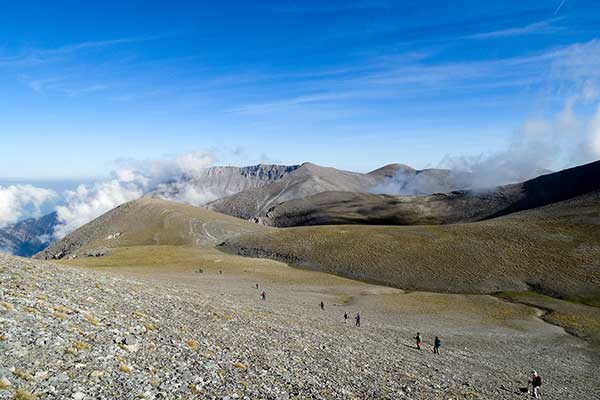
<point x="350" y="84"/>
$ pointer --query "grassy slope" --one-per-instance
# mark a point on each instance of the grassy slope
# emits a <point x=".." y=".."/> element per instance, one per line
<point x="151" y="222"/>
<point x="554" y="250"/>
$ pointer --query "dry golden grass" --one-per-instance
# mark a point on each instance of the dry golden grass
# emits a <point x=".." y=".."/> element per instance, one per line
<point x="173" y="261"/>
<point x="81" y="345"/>
<point x="125" y="368"/>
<point x="240" y="365"/>
<point x="4" y="384"/>
<point x="192" y="344"/>
<point x="90" y="318"/>
<point x="22" y="374"/>
<point x="150" y="326"/>
<point x="22" y="394"/>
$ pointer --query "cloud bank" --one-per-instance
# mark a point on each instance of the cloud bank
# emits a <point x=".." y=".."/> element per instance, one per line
<point x="17" y="201"/>
<point x="130" y="180"/>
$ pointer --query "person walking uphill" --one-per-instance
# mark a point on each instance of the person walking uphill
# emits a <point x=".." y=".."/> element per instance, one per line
<point x="536" y="384"/>
<point x="418" y="339"/>
<point x="263" y="295"/>
<point x="345" y="317"/>
<point x="322" y="306"/>
<point x="437" y="343"/>
<point x="357" y="319"/>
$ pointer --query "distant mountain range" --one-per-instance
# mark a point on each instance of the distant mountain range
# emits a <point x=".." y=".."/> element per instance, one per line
<point x="256" y="192"/>
<point x="310" y="179"/>
<point x="456" y="206"/>
<point x="29" y="236"/>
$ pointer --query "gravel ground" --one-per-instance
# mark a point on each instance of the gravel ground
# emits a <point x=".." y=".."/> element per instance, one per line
<point x="72" y="333"/>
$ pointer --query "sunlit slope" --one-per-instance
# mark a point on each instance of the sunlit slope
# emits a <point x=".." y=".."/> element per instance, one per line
<point x="553" y="250"/>
<point x="149" y="222"/>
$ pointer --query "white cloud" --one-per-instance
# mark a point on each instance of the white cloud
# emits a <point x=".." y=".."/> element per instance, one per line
<point x="17" y="201"/>
<point x="594" y="134"/>
<point x="130" y="180"/>
<point x="570" y="137"/>
<point x="88" y="202"/>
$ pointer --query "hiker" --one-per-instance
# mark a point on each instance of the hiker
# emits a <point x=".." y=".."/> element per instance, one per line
<point x="263" y="295"/>
<point x="437" y="343"/>
<point x="345" y="317"/>
<point x="536" y="383"/>
<point x="257" y="285"/>
<point x="220" y="272"/>
<point x="418" y="339"/>
<point x="357" y="319"/>
<point x="322" y="306"/>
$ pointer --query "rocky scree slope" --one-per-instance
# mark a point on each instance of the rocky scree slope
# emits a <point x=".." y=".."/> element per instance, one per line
<point x="71" y="333"/>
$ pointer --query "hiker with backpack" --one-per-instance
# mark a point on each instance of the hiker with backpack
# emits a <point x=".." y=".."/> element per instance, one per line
<point x="263" y="295"/>
<point x="322" y="306"/>
<point x="345" y="317"/>
<point x="536" y="384"/>
<point x="437" y="343"/>
<point x="357" y="319"/>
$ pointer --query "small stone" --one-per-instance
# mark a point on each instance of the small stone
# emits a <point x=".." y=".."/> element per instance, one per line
<point x="97" y="374"/>
<point x="78" y="396"/>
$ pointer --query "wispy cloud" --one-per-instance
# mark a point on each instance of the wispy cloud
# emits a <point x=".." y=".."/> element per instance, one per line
<point x="66" y="85"/>
<point x="542" y="27"/>
<point x="70" y="69"/>
<point x="401" y="77"/>
<point x="30" y="55"/>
